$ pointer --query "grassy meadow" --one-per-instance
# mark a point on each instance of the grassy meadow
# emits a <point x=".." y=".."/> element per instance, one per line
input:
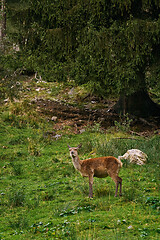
<point x="42" y="196"/>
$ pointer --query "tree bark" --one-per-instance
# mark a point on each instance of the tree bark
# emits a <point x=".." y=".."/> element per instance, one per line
<point x="139" y="104"/>
<point x="2" y="22"/>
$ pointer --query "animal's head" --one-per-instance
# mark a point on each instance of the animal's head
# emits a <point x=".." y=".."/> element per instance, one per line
<point x="74" y="150"/>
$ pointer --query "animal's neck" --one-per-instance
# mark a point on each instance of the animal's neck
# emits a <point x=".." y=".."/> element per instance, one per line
<point x="76" y="162"/>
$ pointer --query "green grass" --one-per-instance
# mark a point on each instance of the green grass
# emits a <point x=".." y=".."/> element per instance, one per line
<point x="43" y="197"/>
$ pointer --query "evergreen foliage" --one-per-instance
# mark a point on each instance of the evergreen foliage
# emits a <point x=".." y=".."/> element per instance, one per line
<point x="110" y="45"/>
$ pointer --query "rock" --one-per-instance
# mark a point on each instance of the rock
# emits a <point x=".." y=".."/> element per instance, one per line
<point x="82" y="131"/>
<point x="38" y="89"/>
<point x="57" y="136"/>
<point x="6" y="100"/>
<point x="135" y="156"/>
<point x="71" y="92"/>
<point x="54" y="118"/>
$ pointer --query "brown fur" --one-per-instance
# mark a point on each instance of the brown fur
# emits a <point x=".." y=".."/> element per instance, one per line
<point x="97" y="167"/>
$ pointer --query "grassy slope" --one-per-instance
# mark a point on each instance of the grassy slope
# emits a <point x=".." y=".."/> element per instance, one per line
<point x="43" y="197"/>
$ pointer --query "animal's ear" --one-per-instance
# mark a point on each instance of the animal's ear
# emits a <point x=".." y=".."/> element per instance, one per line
<point x="69" y="146"/>
<point x="79" y="146"/>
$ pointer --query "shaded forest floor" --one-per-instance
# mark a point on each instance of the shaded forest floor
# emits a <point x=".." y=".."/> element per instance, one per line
<point x="78" y="118"/>
<point x="72" y="109"/>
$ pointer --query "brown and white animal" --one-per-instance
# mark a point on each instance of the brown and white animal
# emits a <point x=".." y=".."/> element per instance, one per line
<point x="97" y="167"/>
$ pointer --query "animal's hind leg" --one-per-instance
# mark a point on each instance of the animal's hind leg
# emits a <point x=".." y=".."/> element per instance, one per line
<point x="118" y="181"/>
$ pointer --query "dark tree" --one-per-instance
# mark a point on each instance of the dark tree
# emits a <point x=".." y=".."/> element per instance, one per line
<point x="113" y="46"/>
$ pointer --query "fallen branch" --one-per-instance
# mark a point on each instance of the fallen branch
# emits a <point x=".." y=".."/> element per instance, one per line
<point x="138" y="134"/>
<point x="147" y="123"/>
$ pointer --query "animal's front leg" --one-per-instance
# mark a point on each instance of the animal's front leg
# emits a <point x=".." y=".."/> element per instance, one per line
<point x="90" y="186"/>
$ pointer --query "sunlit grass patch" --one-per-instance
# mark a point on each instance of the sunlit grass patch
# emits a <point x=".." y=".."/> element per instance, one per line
<point x="43" y="196"/>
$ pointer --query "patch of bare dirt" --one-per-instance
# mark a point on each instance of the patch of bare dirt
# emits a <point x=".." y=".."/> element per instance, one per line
<point x="65" y="115"/>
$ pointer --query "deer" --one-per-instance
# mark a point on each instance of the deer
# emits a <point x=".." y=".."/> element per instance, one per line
<point x="99" y="167"/>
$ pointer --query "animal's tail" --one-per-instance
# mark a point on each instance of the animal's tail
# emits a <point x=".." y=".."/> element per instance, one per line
<point x="120" y="164"/>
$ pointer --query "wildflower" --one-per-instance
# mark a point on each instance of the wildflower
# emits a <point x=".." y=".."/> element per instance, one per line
<point x="130" y="227"/>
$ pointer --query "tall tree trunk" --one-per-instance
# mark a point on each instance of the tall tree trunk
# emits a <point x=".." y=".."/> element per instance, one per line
<point x="2" y="22"/>
<point x="139" y="104"/>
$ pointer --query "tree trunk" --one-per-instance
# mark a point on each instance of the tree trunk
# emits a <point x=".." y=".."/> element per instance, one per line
<point x="139" y="104"/>
<point x="2" y="22"/>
